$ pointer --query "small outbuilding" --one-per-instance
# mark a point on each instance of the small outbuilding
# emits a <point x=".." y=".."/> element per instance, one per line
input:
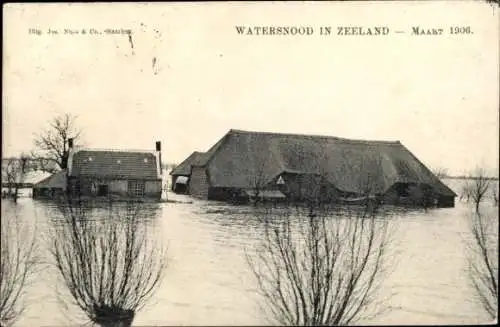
<point x="52" y="186"/>
<point x="182" y="173"/>
<point x="181" y="185"/>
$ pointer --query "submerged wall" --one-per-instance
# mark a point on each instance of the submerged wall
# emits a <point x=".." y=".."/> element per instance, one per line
<point x="99" y="187"/>
<point x="199" y="183"/>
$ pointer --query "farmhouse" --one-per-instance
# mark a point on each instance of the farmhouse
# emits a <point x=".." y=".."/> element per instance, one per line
<point x="115" y="173"/>
<point x="244" y="164"/>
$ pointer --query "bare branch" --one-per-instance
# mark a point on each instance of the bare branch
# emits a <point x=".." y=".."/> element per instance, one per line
<point x="440" y="172"/>
<point x="477" y="187"/>
<point x="494" y="194"/>
<point x="53" y="142"/>
<point x="12" y="174"/>
<point x="320" y="269"/>
<point x="108" y="259"/>
<point x="18" y="262"/>
<point x="482" y="258"/>
<point x="259" y="179"/>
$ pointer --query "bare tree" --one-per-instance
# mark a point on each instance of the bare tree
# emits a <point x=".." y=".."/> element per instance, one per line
<point x="478" y="186"/>
<point x="21" y="174"/>
<point x="321" y="269"/>
<point x="259" y="180"/>
<point x="110" y="262"/>
<point x="466" y="192"/>
<point x="440" y="172"/>
<point x="494" y="194"/>
<point x="17" y="263"/>
<point x="493" y="2"/>
<point x="482" y="258"/>
<point x="324" y="264"/>
<point x="52" y="145"/>
<point x="11" y="169"/>
<point x="170" y="166"/>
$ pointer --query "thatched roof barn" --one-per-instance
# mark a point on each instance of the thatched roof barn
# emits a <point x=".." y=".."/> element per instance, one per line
<point x="300" y="165"/>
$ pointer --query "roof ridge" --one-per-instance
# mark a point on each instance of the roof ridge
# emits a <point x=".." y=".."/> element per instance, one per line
<point x="239" y="131"/>
<point x="114" y="150"/>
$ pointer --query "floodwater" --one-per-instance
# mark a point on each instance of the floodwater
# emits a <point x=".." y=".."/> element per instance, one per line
<point x="208" y="281"/>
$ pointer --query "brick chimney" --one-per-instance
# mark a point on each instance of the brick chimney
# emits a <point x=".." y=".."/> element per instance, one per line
<point x="158" y="149"/>
<point x="69" y="156"/>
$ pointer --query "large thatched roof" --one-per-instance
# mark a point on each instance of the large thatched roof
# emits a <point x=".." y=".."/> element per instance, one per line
<point x="242" y="157"/>
<point x="184" y="168"/>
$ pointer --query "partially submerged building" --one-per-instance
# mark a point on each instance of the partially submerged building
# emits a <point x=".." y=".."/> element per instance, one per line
<point x="115" y="173"/>
<point x="244" y="164"/>
<point x="19" y="177"/>
<point x="51" y="187"/>
<point x="181" y="173"/>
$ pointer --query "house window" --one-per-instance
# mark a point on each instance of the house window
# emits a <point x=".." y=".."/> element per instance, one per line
<point x="136" y="188"/>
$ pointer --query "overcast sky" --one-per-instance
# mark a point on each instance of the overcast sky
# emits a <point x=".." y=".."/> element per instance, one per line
<point x="187" y="77"/>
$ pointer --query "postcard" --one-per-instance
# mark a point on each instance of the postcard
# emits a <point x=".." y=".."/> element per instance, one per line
<point x="250" y="163"/>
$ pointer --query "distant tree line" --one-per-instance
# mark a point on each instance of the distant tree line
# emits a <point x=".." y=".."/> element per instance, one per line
<point x="169" y="165"/>
<point x="442" y="172"/>
<point x="479" y="187"/>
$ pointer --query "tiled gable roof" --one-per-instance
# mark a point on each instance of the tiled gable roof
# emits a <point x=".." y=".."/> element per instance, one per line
<point x="114" y="164"/>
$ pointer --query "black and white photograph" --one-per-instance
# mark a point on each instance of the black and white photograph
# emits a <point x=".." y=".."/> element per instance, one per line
<point x="250" y="163"/>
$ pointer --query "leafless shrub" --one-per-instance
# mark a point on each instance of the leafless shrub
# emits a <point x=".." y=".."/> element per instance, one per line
<point x="10" y="171"/>
<point x="494" y="194"/>
<point x="477" y="187"/>
<point x="108" y="259"/>
<point x="13" y="170"/>
<point x="319" y="268"/>
<point x="482" y="259"/>
<point x="17" y="263"/>
<point x="259" y="180"/>
<point x="466" y="192"/>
